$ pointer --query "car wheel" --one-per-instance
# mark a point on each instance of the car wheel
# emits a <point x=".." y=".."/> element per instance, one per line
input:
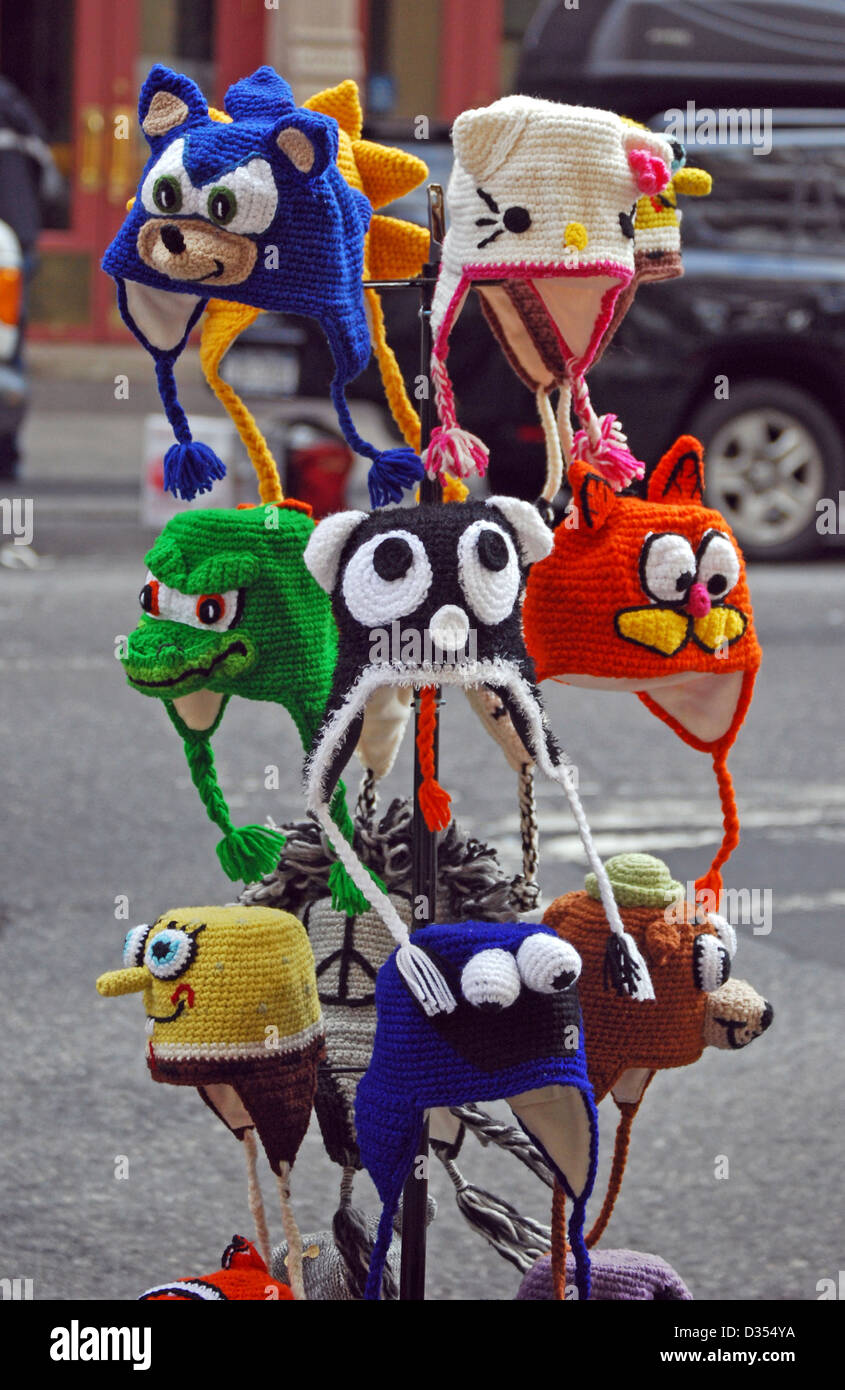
<point x="771" y="453"/>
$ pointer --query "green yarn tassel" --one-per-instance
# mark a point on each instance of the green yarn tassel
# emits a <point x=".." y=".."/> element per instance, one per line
<point x="250" y="852"/>
<point x="347" y="896"/>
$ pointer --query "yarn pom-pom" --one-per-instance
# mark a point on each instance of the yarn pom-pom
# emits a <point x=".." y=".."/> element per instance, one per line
<point x="455" y="451"/>
<point x="611" y="456"/>
<point x="250" y="852"/>
<point x="391" y="473"/>
<point x="625" y="970"/>
<point x="191" y="468"/>
<point x="649" y="170"/>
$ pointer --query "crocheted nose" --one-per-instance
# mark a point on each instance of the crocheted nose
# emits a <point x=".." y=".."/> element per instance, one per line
<point x="698" y="602"/>
<point x="173" y="240"/>
<point x="449" y="628"/>
<point x="576" y="235"/>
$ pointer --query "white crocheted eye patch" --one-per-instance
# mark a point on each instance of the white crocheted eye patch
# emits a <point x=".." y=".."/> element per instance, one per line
<point x="243" y="200"/>
<point x="211" y="612"/>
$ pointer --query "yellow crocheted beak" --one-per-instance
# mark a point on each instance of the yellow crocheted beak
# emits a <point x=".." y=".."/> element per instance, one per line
<point x="130" y="981"/>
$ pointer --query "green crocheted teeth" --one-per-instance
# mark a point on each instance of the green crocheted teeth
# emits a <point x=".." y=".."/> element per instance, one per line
<point x="228" y="608"/>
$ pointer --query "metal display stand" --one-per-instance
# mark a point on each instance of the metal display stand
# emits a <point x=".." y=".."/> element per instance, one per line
<point x="424" y="876"/>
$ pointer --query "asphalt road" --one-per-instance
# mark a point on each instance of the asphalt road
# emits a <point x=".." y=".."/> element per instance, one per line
<point x="98" y="804"/>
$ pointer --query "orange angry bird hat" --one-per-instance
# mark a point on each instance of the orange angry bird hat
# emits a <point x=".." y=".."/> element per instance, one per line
<point x="649" y="594"/>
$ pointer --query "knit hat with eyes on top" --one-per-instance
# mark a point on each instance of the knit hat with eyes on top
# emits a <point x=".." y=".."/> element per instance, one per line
<point x="254" y="211"/>
<point x="243" y="1275"/>
<point x="515" y="1035"/>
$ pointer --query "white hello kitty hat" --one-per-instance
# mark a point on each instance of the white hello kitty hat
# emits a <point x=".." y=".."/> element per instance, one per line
<point x="542" y="202"/>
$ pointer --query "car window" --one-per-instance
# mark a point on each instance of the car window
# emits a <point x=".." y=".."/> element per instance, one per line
<point x="791" y="199"/>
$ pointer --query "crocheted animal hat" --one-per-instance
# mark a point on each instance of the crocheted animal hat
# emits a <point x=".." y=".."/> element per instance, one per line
<point x="542" y="196"/>
<point x="425" y="596"/>
<point x="243" y="1275"/>
<point x="651" y="595"/>
<point x="697" y="1004"/>
<point x="255" y="211"/>
<point x="232" y="1009"/>
<point x="393" y="250"/>
<point x="230" y="609"/>
<point x="515" y="1035"/>
<point x="616" y="1276"/>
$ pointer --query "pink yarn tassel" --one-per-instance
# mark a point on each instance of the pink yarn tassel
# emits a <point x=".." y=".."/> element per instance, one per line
<point x="611" y="456"/>
<point x="456" y="451"/>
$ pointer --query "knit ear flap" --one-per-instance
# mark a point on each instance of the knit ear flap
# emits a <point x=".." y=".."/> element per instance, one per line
<point x="169" y="100"/>
<point x="592" y="495"/>
<point x="679" y="476"/>
<point x="309" y="142"/>
<point x="482" y="140"/>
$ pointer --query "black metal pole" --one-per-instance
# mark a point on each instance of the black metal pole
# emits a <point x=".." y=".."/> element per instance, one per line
<point x="424" y="879"/>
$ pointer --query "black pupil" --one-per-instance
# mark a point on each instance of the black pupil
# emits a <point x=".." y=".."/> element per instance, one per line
<point x="221" y="206"/>
<point x="166" y="195"/>
<point x="393" y="558"/>
<point x="210" y="610"/>
<point x="160" y="949"/>
<point x="492" y="550"/>
<point x="146" y="598"/>
<point x="517" y="219"/>
<point x="683" y="581"/>
<point x="717" y="584"/>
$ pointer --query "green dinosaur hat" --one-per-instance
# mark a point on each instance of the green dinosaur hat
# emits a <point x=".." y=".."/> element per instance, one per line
<point x="230" y="609"/>
<point x="638" y="880"/>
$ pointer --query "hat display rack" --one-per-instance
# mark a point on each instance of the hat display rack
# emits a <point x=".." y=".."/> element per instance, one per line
<point x="266" y="603"/>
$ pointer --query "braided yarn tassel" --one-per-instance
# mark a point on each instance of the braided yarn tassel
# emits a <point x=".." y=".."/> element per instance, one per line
<point x="291" y="1230"/>
<point x="602" y="442"/>
<point x="189" y="466"/>
<point x="254" y="1198"/>
<point x="617" y="1172"/>
<point x="435" y="802"/>
<point x="518" y="1239"/>
<point x="222" y="323"/>
<point x="246" y="853"/>
<point x="450" y="447"/>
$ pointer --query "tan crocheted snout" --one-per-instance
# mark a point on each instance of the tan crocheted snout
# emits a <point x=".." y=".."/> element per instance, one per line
<point x="735" y="1015"/>
<point x="195" y="251"/>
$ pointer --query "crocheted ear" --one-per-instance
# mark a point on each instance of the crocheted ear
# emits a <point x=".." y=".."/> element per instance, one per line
<point x="482" y="140"/>
<point x="168" y="102"/>
<point x="679" y="476"/>
<point x="533" y="535"/>
<point x="322" y="553"/>
<point x="309" y="142"/>
<point x="662" y="938"/>
<point x="592" y="496"/>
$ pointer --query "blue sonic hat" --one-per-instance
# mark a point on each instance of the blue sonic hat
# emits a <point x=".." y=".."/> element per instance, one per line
<point x="514" y="1035"/>
<point x="254" y="210"/>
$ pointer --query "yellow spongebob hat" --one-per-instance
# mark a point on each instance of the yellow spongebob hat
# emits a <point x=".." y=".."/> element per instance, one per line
<point x="232" y="1009"/>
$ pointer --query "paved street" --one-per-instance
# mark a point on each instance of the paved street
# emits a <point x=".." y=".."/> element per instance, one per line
<point x="98" y="803"/>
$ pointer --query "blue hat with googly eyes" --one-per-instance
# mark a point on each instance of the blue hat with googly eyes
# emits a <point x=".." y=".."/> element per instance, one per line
<point x="515" y="1034"/>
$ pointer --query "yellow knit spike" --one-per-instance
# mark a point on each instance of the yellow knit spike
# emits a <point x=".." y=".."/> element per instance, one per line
<point x="342" y="102"/>
<point x="387" y="172"/>
<point x="397" y="250"/>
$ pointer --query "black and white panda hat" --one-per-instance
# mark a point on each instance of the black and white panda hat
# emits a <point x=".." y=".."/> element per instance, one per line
<point x="432" y="595"/>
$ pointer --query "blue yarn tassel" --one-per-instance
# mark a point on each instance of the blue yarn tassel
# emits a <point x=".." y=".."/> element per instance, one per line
<point x="391" y="473"/>
<point x="191" y="468"/>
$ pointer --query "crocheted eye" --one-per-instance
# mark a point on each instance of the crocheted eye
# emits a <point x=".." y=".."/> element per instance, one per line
<point x="711" y="964"/>
<point x="222" y="205"/>
<point x="389" y="577"/>
<point x="246" y="202"/>
<point x="667" y="567"/>
<point x="517" y="219"/>
<point x="170" y="953"/>
<point x="167" y="194"/>
<point x="488" y="569"/>
<point x="547" y="964"/>
<point x="210" y="608"/>
<point x="718" y="564"/>
<point x="148" y="597"/>
<point x="133" y="946"/>
<point x="490" y="980"/>
<point x="724" y="930"/>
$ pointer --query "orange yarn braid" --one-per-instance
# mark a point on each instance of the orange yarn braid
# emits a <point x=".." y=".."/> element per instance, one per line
<point x="559" y="1242"/>
<point x="435" y="802"/>
<point x="617" y="1172"/>
<point x="711" y="882"/>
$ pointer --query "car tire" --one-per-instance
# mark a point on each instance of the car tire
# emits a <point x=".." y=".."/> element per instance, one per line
<point x="767" y="491"/>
